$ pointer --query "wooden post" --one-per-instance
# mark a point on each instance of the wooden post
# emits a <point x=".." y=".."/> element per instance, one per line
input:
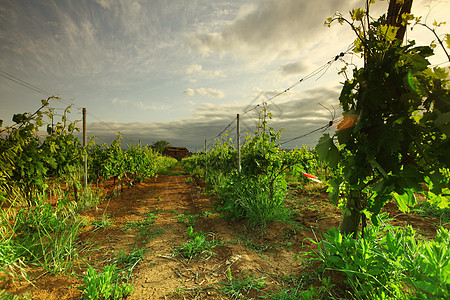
<point x="238" y="136"/>
<point x="84" y="146"/>
<point x="206" y="162"/>
<point x="394" y="17"/>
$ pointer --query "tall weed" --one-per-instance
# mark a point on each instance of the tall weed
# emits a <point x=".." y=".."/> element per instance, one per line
<point x="250" y="198"/>
<point x="41" y="235"/>
<point x="390" y="262"/>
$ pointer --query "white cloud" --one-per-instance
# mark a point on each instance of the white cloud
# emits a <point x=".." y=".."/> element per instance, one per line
<point x="141" y="105"/>
<point x="189" y="92"/>
<point x="209" y="92"/>
<point x="199" y="69"/>
<point x="193" y="69"/>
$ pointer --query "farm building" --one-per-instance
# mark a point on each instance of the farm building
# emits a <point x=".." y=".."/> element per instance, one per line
<point x="176" y="152"/>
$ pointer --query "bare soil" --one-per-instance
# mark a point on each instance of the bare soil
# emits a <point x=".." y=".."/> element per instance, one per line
<point x="272" y="253"/>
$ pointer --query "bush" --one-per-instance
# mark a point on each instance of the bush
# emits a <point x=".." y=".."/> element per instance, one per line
<point x="390" y="261"/>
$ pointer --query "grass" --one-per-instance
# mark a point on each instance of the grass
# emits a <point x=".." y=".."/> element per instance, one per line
<point x="238" y="287"/>
<point x="40" y="235"/>
<point x="145" y="227"/>
<point x="425" y="209"/>
<point x="104" y="222"/>
<point x="197" y="246"/>
<point x="127" y="262"/>
<point x="187" y="219"/>
<point x="6" y="296"/>
<point x="104" y="285"/>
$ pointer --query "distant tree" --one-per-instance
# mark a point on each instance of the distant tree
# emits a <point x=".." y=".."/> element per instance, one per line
<point x="159" y="146"/>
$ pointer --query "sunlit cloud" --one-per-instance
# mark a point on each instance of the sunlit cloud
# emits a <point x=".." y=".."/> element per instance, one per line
<point x="270" y="29"/>
<point x="209" y="92"/>
<point x="193" y="69"/>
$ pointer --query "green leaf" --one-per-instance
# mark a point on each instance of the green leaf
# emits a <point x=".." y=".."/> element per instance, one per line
<point x="327" y="151"/>
<point x="335" y="189"/>
<point x="426" y="287"/>
<point x="443" y="123"/>
<point x="405" y="200"/>
<point x="389" y="32"/>
<point x="447" y="40"/>
<point x="418" y="62"/>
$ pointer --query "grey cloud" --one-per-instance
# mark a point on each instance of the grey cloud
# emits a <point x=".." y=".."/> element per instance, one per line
<point x="293" y="68"/>
<point x="298" y="116"/>
<point x="273" y="28"/>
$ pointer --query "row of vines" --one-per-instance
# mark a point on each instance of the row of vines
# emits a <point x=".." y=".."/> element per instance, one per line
<point x="31" y="160"/>
<point x="392" y="145"/>
<point x="42" y="195"/>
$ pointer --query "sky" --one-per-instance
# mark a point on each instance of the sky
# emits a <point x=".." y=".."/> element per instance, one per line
<point x="181" y="70"/>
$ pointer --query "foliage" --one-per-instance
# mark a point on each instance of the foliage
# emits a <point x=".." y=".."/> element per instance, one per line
<point x="236" y="288"/>
<point x="104" y="285"/>
<point x="159" y="146"/>
<point x="396" y="123"/>
<point x="27" y="160"/>
<point x="145" y="227"/>
<point x="127" y="262"/>
<point x="134" y="164"/>
<point x="40" y="235"/>
<point x="390" y="261"/>
<point x="197" y="245"/>
<point x="425" y="209"/>
<point x="249" y="198"/>
<point x="258" y="191"/>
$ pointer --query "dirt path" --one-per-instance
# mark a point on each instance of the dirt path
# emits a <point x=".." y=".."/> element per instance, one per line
<point x="266" y="256"/>
<point x="178" y="202"/>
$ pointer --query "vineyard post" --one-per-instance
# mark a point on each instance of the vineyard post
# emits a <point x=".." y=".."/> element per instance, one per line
<point x="206" y="162"/>
<point x="84" y="145"/>
<point x="238" y="136"/>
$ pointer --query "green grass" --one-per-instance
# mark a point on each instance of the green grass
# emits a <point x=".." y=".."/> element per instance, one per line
<point x="104" y="222"/>
<point x="389" y="261"/>
<point x="145" y="227"/>
<point x="127" y="262"/>
<point x="104" y="285"/>
<point x="187" y="219"/>
<point x="6" y="296"/>
<point x="425" y="209"/>
<point x="198" y="245"/>
<point x="238" y="287"/>
<point x="41" y="235"/>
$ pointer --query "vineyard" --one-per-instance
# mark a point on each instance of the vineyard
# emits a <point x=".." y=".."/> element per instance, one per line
<point x="249" y="223"/>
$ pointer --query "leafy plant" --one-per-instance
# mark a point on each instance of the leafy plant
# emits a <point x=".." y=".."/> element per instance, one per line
<point x="102" y="223"/>
<point x="390" y="261"/>
<point x="427" y="210"/>
<point x="197" y="245"/>
<point x="394" y="133"/>
<point x="145" y="227"/>
<point x="127" y="262"/>
<point x="237" y="287"/>
<point x="104" y="285"/>
<point x="187" y="219"/>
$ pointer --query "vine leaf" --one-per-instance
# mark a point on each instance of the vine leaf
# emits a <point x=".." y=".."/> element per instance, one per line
<point x="327" y="151"/>
<point x="405" y="200"/>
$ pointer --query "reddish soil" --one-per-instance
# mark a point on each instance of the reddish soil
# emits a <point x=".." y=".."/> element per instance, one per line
<point x="271" y="253"/>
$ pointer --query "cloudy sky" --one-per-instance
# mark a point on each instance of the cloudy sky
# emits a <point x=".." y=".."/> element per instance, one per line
<point x="181" y="70"/>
